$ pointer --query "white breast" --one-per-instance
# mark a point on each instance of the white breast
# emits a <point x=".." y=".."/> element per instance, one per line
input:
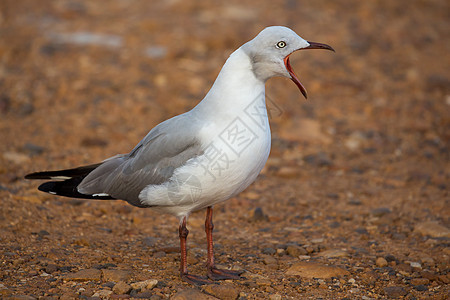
<point x="236" y="143"/>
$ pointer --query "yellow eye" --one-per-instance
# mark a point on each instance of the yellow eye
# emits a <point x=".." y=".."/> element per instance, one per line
<point x="281" y="44"/>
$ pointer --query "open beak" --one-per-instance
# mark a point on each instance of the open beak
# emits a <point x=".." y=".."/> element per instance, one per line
<point x="312" y="45"/>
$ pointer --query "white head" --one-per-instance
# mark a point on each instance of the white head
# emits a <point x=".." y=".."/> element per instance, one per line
<point x="269" y="53"/>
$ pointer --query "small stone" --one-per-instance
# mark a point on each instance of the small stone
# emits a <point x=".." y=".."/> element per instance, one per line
<point x="304" y="257"/>
<point x="22" y="297"/>
<point x="269" y="260"/>
<point x="309" y="249"/>
<point x="432" y="229"/>
<point x="115" y="275"/>
<point x="145" y="285"/>
<point x="428" y="275"/>
<point x="93" y="142"/>
<point x="159" y="254"/>
<point x="381" y="262"/>
<point x="394" y="291"/>
<point x="263" y="282"/>
<point x="420" y="281"/>
<point x="50" y="268"/>
<point x="288" y="172"/>
<point x="84" y="275"/>
<point x="390" y="258"/>
<point x="381" y="211"/>
<point x="16" y="157"/>
<point x="427" y="260"/>
<point x="103" y="294"/>
<point x="143" y="295"/>
<point x="315" y="270"/>
<point x="281" y="251"/>
<point x="258" y="215"/>
<point x="333" y="253"/>
<point x="444" y="278"/>
<point x="269" y="251"/>
<point x="415" y="265"/>
<point x="294" y="250"/>
<point x="275" y="297"/>
<point x="404" y="269"/>
<point x="317" y="241"/>
<point x="149" y="241"/>
<point x="224" y="291"/>
<point x="33" y="149"/>
<point x="361" y="231"/>
<point x="121" y="288"/>
<point x="421" y="288"/>
<point x="190" y="294"/>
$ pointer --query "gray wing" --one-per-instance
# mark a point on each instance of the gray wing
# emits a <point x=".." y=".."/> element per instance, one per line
<point x="166" y="147"/>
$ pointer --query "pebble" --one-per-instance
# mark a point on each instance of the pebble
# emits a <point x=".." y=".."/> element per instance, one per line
<point x="301" y="130"/>
<point x="415" y="265"/>
<point x="421" y="288"/>
<point x="84" y="275"/>
<point x="361" y="230"/>
<point x="315" y="270"/>
<point x="16" y="157"/>
<point x="381" y="262"/>
<point x="321" y="159"/>
<point x="121" y="288"/>
<point x="381" y="211"/>
<point x="50" y="268"/>
<point x="22" y="297"/>
<point x="103" y="294"/>
<point x="288" y="172"/>
<point x="269" y="251"/>
<point x="394" y="291"/>
<point x="258" y="215"/>
<point x="294" y="250"/>
<point x="420" y="281"/>
<point x="275" y="297"/>
<point x="115" y="275"/>
<point x="223" y="291"/>
<point x="269" y="260"/>
<point x="144" y="285"/>
<point x="149" y="241"/>
<point x="432" y="229"/>
<point x="304" y="257"/>
<point x="427" y="260"/>
<point x="33" y="149"/>
<point x="333" y="253"/>
<point x="263" y="282"/>
<point x="190" y="294"/>
<point x="428" y="275"/>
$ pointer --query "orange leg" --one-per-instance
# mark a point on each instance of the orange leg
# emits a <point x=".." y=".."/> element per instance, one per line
<point x="213" y="272"/>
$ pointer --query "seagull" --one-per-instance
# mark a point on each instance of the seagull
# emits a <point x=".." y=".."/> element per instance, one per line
<point x="200" y="158"/>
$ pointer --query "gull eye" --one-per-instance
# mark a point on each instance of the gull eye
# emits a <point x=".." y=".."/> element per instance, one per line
<point x="281" y="44"/>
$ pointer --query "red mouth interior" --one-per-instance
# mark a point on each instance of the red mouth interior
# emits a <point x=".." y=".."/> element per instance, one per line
<point x="294" y="77"/>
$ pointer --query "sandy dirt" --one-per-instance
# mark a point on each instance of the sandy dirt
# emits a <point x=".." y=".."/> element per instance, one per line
<point x="352" y="204"/>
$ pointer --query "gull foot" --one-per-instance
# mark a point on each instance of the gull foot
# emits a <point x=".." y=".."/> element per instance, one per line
<point x="195" y="279"/>
<point x="221" y="274"/>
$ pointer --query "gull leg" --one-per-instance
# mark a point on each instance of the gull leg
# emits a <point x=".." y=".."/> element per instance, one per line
<point x="192" y="279"/>
<point x="213" y="272"/>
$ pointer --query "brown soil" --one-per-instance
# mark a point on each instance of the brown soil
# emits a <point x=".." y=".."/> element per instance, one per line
<point x="357" y="179"/>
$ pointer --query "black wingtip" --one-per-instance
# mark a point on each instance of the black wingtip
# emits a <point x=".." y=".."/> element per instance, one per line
<point x="47" y="187"/>
<point x="68" y="188"/>
<point x="37" y="175"/>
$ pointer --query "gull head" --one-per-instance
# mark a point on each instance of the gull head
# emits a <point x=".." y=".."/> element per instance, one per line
<point x="269" y="53"/>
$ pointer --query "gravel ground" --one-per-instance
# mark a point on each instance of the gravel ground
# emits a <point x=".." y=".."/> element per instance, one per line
<point x="352" y="204"/>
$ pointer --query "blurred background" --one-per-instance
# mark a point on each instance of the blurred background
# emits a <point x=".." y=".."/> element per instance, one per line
<point x="362" y="165"/>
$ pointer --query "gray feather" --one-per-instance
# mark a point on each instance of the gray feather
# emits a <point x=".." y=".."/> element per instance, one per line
<point x="153" y="161"/>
